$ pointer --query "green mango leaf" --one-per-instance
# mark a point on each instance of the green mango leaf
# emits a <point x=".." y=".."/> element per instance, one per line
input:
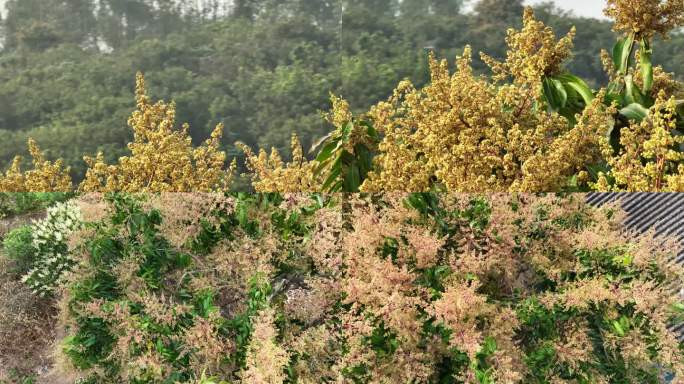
<point x="632" y="92"/>
<point x="489" y="346"/>
<point x="617" y="53"/>
<point x="370" y="130"/>
<point x="560" y="89"/>
<point x="555" y="93"/>
<point x="635" y="112"/>
<point x="613" y="97"/>
<point x="646" y="64"/>
<point x="417" y="202"/>
<point x="364" y="159"/>
<point x="335" y="187"/>
<point x="327" y="151"/>
<point x="596" y="169"/>
<point x="321" y="166"/>
<point x="622" y="52"/>
<point x="613" y="90"/>
<point x="335" y="172"/>
<point x="346" y="132"/>
<point x="352" y="180"/>
<point x="347" y="158"/>
<point x="319" y="142"/>
<point x="617" y="327"/>
<point x="579" y="86"/>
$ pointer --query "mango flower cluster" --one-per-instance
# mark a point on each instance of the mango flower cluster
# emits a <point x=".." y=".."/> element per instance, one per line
<point x="645" y="18"/>
<point x="654" y="140"/>
<point x="533" y="53"/>
<point x="46" y="176"/>
<point x="472" y="134"/>
<point x="162" y="157"/>
<point x="271" y="173"/>
<point x="465" y="132"/>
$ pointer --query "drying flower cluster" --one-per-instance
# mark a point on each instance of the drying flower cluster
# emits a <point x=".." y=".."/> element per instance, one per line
<point x="420" y="288"/>
<point x="45" y="176"/>
<point x="645" y="18"/>
<point x="155" y="284"/>
<point x="162" y="157"/>
<point x="186" y="214"/>
<point x="266" y="359"/>
<point x="50" y="246"/>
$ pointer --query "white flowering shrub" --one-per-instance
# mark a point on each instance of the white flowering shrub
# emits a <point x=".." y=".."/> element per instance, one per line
<point x="49" y="241"/>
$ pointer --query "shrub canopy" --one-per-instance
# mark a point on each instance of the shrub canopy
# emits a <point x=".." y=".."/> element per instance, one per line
<point x="393" y="288"/>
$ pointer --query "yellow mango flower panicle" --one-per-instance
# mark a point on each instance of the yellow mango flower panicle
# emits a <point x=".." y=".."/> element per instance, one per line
<point x="532" y="126"/>
<point x="646" y="18"/>
<point x="46" y="176"/>
<point x="634" y="79"/>
<point x="270" y="173"/>
<point x="644" y="149"/>
<point x="564" y="161"/>
<point x="649" y="158"/>
<point x="533" y="52"/>
<point x="469" y="133"/>
<point x="162" y="158"/>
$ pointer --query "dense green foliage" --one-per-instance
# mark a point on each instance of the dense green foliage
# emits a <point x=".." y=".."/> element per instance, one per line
<point x="264" y="68"/>
<point x="17" y="246"/>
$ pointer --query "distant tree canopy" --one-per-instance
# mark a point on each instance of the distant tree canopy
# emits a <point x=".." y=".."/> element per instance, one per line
<point x="42" y="24"/>
<point x="263" y="68"/>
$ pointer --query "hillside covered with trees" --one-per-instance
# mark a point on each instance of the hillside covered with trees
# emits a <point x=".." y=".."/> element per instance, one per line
<point x="263" y="68"/>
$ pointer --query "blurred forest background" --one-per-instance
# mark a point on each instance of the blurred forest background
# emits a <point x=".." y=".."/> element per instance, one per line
<point x="265" y="68"/>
